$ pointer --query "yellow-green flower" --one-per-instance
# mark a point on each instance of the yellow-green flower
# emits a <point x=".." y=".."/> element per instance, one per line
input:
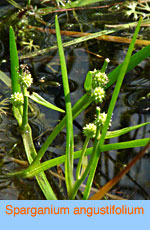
<point x="17" y="99"/>
<point x="98" y="95"/>
<point x="90" y="130"/>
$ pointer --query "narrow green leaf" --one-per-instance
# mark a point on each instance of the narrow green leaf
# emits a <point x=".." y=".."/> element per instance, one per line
<point x="69" y="119"/>
<point x="31" y="154"/>
<point x="34" y="170"/>
<point x="134" y="61"/>
<point x="14" y="62"/>
<point x="117" y="133"/>
<point x="40" y="100"/>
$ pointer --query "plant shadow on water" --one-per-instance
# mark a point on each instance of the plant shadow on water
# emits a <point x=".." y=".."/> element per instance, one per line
<point x="133" y="106"/>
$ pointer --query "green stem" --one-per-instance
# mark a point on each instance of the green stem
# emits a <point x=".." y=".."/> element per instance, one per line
<point x="31" y="154"/>
<point x="81" y="158"/>
<point x="25" y="109"/>
<point x="90" y="163"/>
<point x="29" y="2"/>
<point x="69" y="120"/>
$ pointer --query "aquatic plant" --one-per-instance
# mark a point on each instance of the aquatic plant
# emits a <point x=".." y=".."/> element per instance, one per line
<point x="137" y="9"/>
<point x="96" y="83"/>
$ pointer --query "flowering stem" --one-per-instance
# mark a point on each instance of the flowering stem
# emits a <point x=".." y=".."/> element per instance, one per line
<point x="29" y="2"/>
<point x="104" y="67"/>
<point x="80" y="181"/>
<point x="25" y="109"/>
<point x="81" y="158"/>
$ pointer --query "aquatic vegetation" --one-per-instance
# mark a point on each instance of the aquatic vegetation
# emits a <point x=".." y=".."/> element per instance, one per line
<point x="95" y="85"/>
<point x="94" y="133"/>
<point x="4" y="106"/>
<point x="137" y="9"/>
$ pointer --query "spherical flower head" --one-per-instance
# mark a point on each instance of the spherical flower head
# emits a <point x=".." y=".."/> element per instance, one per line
<point x="98" y="95"/>
<point x="100" y="120"/>
<point x="26" y="80"/>
<point x="17" y="99"/>
<point x="99" y="79"/>
<point x="90" y="130"/>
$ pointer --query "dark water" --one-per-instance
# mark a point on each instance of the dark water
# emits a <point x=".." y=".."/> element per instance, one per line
<point x="133" y="106"/>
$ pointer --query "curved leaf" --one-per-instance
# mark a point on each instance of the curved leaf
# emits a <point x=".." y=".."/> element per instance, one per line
<point x="40" y="100"/>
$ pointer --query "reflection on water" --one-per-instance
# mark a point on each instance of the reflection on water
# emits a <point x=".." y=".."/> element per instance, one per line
<point x="133" y="107"/>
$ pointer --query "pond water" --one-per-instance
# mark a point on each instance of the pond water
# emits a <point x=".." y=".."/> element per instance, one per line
<point x="133" y="107"/>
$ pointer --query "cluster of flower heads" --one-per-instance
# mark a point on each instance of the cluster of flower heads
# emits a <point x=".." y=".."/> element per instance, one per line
<point x="90" y="129"/>
<point x="99" y="81"/>
<point x="25" y="80"/>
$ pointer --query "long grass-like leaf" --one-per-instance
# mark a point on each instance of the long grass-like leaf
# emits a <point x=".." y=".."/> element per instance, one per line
<point x="14" y="62"/>
<point x="134" y="61"/>
<point x="69" y="119"/>
<point x="117" y="133"/>
<point x="31" y="154"/>
<point x="34" y="170"/>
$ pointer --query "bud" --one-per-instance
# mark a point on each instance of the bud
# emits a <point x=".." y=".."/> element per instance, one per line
<point x="99" y="79"/>
<point x="90" y="130"/>
<point x="25" y="79"/>
<point x="100" y="120"/>
<point x="98" y="94"/>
